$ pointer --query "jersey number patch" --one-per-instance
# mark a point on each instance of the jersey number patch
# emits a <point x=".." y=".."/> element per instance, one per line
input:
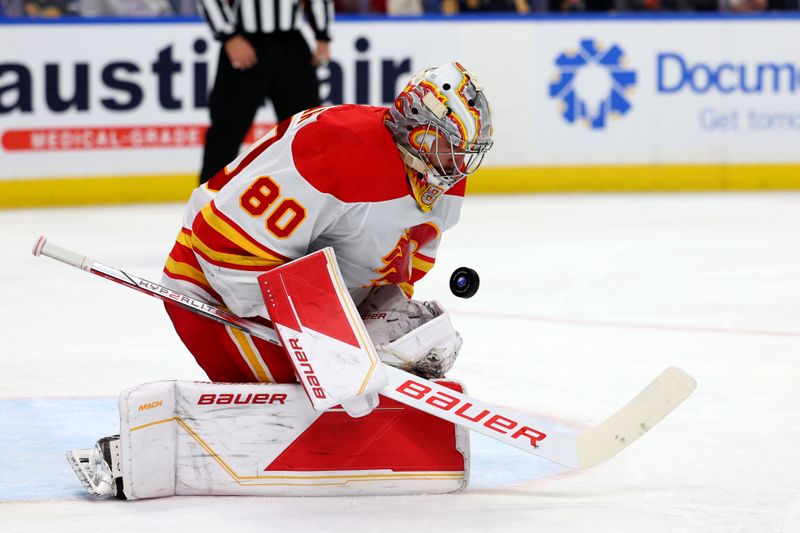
<point x="284" y="219"/>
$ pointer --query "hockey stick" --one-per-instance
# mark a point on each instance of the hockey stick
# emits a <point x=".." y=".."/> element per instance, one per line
<point x="525" y="432"/>
<point x="210" y="311"/>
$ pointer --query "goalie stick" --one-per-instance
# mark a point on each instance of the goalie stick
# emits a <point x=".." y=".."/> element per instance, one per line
<point x="525" y="432"/>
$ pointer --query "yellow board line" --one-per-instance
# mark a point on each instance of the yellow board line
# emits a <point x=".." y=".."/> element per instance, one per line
<point x="345" y="478"/>
<point x="58" y="191"/>
<point x="635" y="178"/>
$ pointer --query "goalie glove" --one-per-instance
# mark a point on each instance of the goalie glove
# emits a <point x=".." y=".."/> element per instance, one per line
<point x="415" y="336"/>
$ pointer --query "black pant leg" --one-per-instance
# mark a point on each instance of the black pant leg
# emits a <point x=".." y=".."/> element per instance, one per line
<point x="296" y="87"/>
<point x="232" y="105"/>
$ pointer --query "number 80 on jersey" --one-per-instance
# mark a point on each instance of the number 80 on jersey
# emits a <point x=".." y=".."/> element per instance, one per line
<point x="287" y="215"/>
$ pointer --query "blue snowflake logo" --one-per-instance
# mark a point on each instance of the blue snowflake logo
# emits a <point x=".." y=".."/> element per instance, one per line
<point x="591" y="57"/>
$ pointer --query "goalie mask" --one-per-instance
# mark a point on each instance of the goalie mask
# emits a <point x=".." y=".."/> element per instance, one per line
<point x="442" y="125"/>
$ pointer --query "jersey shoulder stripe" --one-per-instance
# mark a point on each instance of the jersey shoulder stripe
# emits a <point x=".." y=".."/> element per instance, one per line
<point x="182" y="265"/>
<point x="220" y="241"/>
<point x="348" y="152"/>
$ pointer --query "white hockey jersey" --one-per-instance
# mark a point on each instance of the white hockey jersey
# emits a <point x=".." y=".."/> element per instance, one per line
<point x="329" y="176"/>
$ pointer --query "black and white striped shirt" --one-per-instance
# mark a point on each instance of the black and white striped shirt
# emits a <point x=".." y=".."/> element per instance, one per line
<point x="231" y="17"/>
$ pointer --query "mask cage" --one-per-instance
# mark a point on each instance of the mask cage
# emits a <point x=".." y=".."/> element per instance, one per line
<point x="447" y="156"/>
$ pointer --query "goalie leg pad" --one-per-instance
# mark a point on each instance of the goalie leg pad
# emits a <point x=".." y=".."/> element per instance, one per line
<point x="189" y="438"/>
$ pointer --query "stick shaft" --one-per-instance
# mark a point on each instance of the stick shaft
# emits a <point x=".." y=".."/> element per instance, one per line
<point x="210" y="311"/>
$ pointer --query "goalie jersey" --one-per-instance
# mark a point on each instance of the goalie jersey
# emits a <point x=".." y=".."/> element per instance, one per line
<point x="329" y="176"/>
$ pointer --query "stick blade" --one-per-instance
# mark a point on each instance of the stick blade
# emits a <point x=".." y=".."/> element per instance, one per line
<point x="646" y="410"/>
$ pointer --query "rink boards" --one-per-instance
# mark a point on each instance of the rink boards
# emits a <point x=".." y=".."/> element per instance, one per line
<point x="587" y="103"/>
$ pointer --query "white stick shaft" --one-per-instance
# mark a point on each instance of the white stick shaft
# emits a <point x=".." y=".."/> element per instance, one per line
<point x="211" y="311"/>
<point x="521" y="431"/>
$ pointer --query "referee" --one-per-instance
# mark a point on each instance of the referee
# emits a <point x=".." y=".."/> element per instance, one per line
<point x="263" y="54"/>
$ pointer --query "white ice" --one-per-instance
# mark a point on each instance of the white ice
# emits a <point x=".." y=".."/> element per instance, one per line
<point x="583" y="300"/>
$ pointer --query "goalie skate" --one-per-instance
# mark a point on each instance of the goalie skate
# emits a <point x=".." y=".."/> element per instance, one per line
<point x="98" y="467"/>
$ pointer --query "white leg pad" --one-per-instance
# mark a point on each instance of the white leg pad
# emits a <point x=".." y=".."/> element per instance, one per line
<point x="190" y="438"/>
<point x="148" y="440"/>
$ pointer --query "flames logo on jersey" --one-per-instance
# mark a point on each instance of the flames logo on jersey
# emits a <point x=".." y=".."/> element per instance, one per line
<point x="398" y="265"/>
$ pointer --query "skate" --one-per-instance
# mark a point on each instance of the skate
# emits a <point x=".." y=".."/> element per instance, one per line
<point x="98" y="468"/>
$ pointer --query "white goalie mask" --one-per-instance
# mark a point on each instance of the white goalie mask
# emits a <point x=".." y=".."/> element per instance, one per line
<point x="442" y="125"/>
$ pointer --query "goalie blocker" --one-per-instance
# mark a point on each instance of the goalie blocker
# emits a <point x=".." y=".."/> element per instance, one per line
<point x="336" y="357"/>
<point x="322" y="333"/>
<point x="190" y="438"/>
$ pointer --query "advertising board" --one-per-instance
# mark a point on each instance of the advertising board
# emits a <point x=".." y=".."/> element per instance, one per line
<point x="594" y="104"/>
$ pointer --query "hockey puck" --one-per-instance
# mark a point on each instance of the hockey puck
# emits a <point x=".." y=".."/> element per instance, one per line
<point x="464" y="282"/>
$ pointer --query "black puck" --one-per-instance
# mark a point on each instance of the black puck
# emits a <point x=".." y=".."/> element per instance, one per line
<point x="464" y="282"/>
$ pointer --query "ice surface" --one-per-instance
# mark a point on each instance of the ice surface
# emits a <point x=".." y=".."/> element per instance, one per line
<point x="583" y="300"/>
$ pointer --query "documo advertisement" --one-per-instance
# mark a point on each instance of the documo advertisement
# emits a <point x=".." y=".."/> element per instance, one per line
<point x="116" y="99"/>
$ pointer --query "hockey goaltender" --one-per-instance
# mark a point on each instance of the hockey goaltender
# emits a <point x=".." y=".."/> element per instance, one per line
<point x="291" y="284"/>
